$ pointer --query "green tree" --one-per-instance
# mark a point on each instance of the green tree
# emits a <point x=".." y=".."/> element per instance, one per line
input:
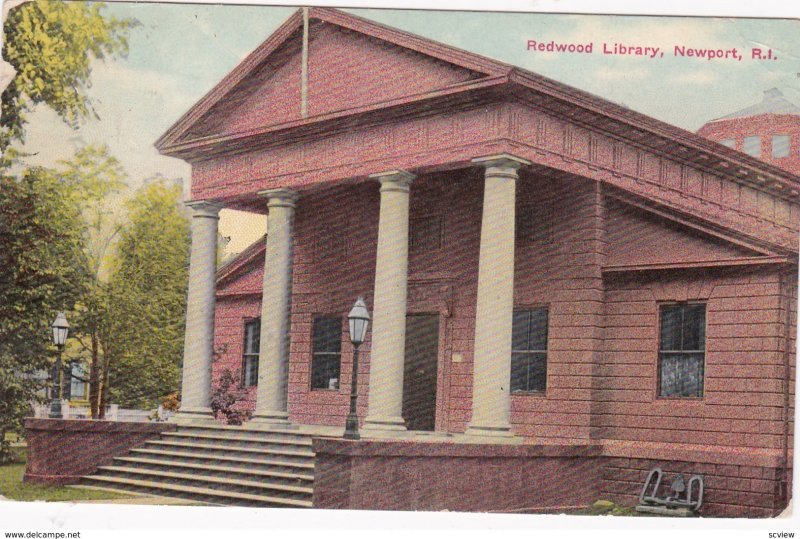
<point x="44" y="271"/>
<point x="51" y="44"/>
<point x="96" y="179"/>
<point x="143" y="336"/>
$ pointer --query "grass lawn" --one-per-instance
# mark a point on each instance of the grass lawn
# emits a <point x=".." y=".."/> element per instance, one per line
<point x="12" y="487"/>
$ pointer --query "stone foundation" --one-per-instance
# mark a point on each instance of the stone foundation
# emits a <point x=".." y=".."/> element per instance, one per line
<point x="437" y="476"/>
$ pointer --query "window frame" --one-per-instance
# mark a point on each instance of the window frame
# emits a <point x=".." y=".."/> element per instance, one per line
<point x="532" y="392"/>
<point x="314" y="354"/>
<point x="659" y="351"/>
<point x="250" y="355"/>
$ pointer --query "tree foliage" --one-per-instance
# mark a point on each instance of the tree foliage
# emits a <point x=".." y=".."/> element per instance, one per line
<point x="143" y="336"/>
<point x="96" y="179"/>
<point x="51" y="45"/>
<point x="44" y="271"/>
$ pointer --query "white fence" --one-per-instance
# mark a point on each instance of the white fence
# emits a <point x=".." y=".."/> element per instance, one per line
<point x="113" y="413"/>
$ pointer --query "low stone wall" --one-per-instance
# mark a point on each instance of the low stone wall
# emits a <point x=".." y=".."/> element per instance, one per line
<point x="436" y="476"/>
<point x="739" y="482"/>
<point x="60" y="451"/>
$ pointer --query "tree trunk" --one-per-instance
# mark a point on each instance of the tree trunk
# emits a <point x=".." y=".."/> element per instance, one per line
<point x="94" y="378"/>
<point x="104" y="387"/>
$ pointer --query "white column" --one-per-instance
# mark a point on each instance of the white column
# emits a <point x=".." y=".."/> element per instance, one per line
<point x="387" y="355"/>
<point x="198" y="348"/>
<point x="495" y="305"/>
<point x="273" y="361"/>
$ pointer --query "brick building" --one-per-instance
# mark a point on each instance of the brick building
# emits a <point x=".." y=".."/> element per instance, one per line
<point x="565" y="293"/>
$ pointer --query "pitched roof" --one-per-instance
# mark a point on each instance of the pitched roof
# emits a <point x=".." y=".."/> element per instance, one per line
<point x="773" y="102"/>
<point x="580" y="105"/>
<point x="234" y="266"/>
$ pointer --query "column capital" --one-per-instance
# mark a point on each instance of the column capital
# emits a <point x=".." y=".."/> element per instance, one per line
<point x="394" y="180"/>
<point x="204" y="208"/>
<point x="280" y="197"/>
<point x="501" y="160"/>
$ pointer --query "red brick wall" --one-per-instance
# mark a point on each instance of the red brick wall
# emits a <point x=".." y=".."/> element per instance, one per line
<point x="743" y="400"/>
<point x="764" y="125"/>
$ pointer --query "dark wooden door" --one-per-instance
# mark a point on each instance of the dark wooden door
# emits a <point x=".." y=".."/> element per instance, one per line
<point x="420" y="375"/>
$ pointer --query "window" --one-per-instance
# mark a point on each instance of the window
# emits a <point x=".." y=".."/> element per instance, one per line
<point x="425" y="234"/>
<point x="780" y="146"/>
<point x="252" y="345"/>
<point x="729" y="142"/>
<point x="77" y="381"/>
<point x="534" y="223"/>
<point x="752" y="146"/>
<point x="682" y="350"/>
<point x="326" y="361"/>
<point x="529" y="350"/>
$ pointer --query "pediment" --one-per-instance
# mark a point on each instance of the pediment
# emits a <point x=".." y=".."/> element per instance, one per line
<point x="352" y="63"/>
<point x="636" y="237"/>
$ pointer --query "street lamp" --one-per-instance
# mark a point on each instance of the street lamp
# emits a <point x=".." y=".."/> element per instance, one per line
<point x="358" y="320"/>
<point x="60" y="332"/>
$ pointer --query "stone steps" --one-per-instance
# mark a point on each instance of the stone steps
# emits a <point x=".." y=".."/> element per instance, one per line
<point x="217" y="465"/>
<point x="155" y="464"/>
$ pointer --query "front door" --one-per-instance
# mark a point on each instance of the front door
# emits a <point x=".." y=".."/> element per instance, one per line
<point x="420" y="375"/>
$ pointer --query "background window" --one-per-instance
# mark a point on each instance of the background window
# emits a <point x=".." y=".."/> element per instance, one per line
<point x="780" y="146"/>
<point x="425" y="234"/>
<point x="529" y="350"/>
<point x="682" y="350"/>
<point x="534" y="223"/>
<point x="752" y="146"/>
<point x="326" y="361"/>
<point x="77" y="381"/>
<point x="729" y="142"/>
<point x="252" y="345"/>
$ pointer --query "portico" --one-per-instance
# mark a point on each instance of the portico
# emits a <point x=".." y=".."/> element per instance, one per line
<point x="384" y="418"/>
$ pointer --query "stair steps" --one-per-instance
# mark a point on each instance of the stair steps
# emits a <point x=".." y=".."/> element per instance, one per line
<point x="218" y="465"/>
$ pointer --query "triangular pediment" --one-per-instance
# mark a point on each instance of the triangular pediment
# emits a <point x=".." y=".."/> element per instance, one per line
<point x="637" y="237"/>
<point x="352" y="63"/>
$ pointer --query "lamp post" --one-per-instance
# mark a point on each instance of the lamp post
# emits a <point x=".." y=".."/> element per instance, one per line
<point x="60" y="331"/>
<point x="358" y="320"/>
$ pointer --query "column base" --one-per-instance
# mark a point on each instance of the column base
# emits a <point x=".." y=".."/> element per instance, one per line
<point x="384" y="427"/>
<point x="271" y="420"/>
<point x="193" y="416"/>
<point x="490" y="434"/>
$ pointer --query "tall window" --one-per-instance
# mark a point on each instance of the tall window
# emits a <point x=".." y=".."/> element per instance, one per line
<point x="252" y="345"/>
<point x="326" y="361"/>
<point x="529" y="350"/>
<point x="682" y="350"/>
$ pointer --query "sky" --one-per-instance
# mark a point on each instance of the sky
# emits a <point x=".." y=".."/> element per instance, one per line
<point x="180" y="51"/>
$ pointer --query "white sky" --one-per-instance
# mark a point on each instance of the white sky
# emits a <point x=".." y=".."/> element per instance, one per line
<point x="181" y="50"/>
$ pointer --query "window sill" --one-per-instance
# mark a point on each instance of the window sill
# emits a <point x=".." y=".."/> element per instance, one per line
<point x="530" y="393"/>
<point x="325" y="389"/>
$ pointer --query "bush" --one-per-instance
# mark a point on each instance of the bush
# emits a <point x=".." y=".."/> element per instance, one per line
<point x="224" y="398"/>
